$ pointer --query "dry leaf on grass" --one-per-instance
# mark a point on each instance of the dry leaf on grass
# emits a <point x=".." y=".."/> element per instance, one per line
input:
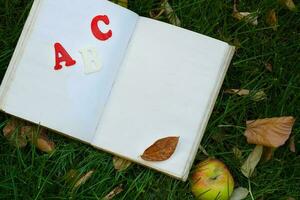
<point x="12" y="133"/>
<point x="83" y="179"/>
<point x="161" y="150"/>
<point x="292" y="146"/>
<point x="171" y="15"/>
<point x="239" y="193"/>
<point x="165" y="8"/>
<point x="269" y="132"/>
<point x="240" y="92"/>
<point x="272" y="19"/>
<point x="247" y="17"/>
<point x="114" y="192"/>
<point x="289" y="4"/>
<point x="252" y="160"/>
<point x="38" y="137"/>
<point x="120" y="164"/>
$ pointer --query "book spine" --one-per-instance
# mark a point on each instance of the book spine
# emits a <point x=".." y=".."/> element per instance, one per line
<point x="18" y="53"/>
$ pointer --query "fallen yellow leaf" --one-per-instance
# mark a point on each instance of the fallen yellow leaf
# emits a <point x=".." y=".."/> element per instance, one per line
<point x="270" y="132"/>
<point x="252" y="160"/>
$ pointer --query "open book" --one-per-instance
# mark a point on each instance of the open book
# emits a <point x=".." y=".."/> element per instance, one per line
<point x="99" y="73"/>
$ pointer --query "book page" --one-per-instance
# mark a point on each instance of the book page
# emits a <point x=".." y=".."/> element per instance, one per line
<point x="166" y="86"/>
<point x="91" y="37"/>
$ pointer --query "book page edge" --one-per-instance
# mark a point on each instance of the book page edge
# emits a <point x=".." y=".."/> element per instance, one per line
<point x="227" y="61"/>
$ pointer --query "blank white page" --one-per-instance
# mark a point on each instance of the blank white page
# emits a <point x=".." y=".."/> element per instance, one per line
<point x="69" y="100"/>
<point x="166" y="86"/>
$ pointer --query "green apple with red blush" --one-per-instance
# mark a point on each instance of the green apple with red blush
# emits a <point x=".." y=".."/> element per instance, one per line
<point x="212" y="180"/>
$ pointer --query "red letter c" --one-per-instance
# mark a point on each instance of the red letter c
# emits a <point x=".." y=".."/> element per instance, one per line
<point x="95" y="29"/>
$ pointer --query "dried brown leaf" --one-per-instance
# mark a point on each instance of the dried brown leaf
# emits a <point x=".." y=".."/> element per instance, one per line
<point x="10" y="127"/>
<point x="84" y="178"/>
<point x="161" y="150"/>
<point x="270" y="132"/>
<point x="289" y="4"/>
<point x="292" y="144"/>
<point x="12" y="133"/>
<point x="272" y="19"/>
<point x="114" y="192"/>
<point x="121" y="164"/>
<point x="252" y="160"/>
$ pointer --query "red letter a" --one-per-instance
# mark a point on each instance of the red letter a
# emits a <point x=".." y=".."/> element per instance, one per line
<point x="61" y="55"/>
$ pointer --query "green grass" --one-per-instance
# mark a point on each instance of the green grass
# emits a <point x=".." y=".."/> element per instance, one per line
<point x="29" y="174"/>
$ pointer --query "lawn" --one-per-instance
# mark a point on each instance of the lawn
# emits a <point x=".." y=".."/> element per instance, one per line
<point x="30" y="174"/>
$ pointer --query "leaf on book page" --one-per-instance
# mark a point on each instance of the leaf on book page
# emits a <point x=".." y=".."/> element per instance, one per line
<point x="289" y="4"/>
<point x="271" y="19"/>
<point x="121" y="164"/>
<point x="12" y="133"/>
<point x="270" y="132"/>
<point x="239" y="193"/>
<point x="82" y="180"/>
<point x="252" y="160"/>
<point x="161" y="150"/>
<point x="117" y="190"/>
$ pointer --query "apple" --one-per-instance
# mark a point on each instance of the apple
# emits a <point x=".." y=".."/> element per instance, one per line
<point x="212" y="180"/>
